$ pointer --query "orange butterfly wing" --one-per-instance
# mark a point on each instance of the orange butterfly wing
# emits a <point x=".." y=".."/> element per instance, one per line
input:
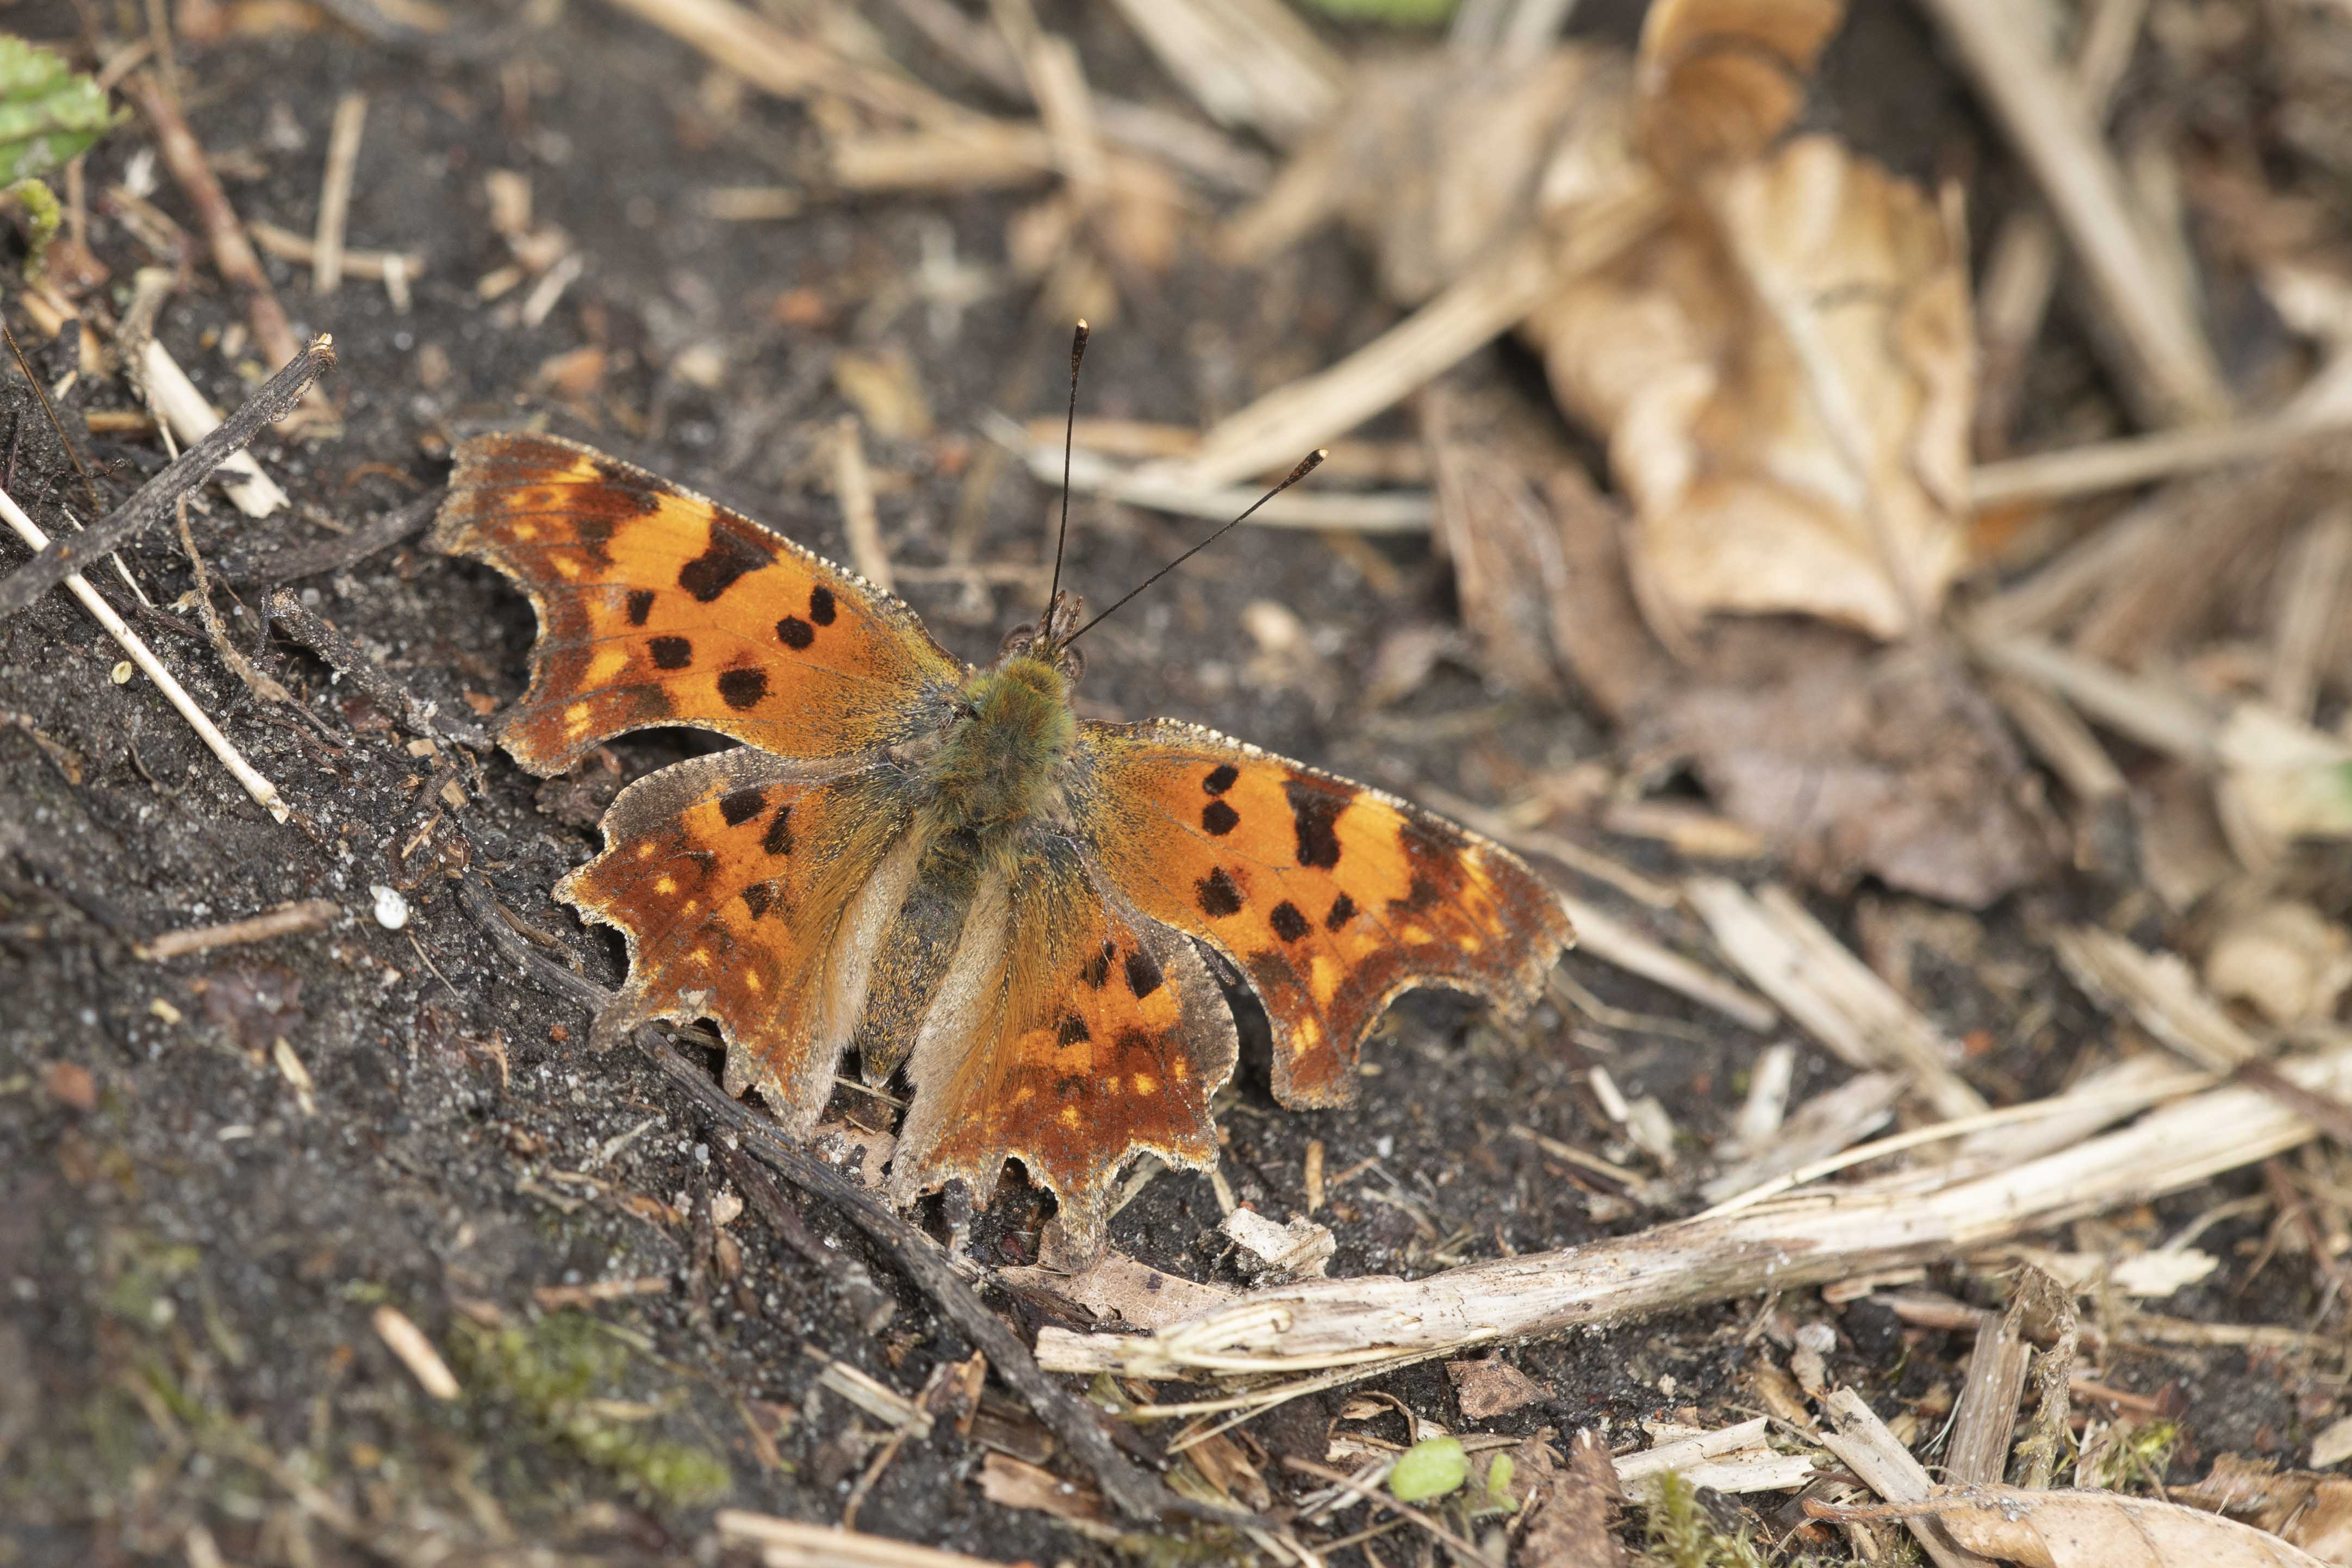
<point x="753" y="890"/>
<point x="1069" y="1034"/>
<point x="1328" y="896"/>
<point x="656" y="606"/>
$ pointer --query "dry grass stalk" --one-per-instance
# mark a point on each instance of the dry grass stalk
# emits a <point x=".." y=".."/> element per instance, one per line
<point x="1369" y="1324"/>
<point x="1986" y="1419"/>
<point x="788" y="1544"/>
<point x="1246" y="62"/>
<point x="1368" y="463"/>
<point x="231" y="251"/>
<point x="1392" y="512"/>
<point x="265" y="794"/>
<point x="335" y="192"/>
<point x="2313" y="594"/>
<point x="2023" y="271"/>
<point x="853" y="486"/>
<point x="285" y="920"/>
<point x="1470" y="313"/>
<point x="2168" y="454"/>
<point x="1872" y="1451"/>
<point x="1834" y="994"/>
<point x="2167" y="363"/>
<point x="1603" y="936"/>
<point x="304" y="251"/>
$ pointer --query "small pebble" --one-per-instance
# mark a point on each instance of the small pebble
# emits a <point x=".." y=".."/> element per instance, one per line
<point x="391" y="908"/>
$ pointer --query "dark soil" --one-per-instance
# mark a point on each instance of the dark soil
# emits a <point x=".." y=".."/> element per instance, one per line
<point x="190" y="1258"/>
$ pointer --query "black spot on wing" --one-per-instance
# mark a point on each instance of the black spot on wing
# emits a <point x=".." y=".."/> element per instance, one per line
<point x="795" y="633"/>
<point x="1073" y="1031"/>
<point x="740" y="807"/>
<point x="821" y="608"/>
<point x="1421" y="894"/>
<point x="1219" y="895"/>
<point x="759" y="898"/>
<point x="731" y="553"/>
<point x="641" y="604"/>
<point x="1343" y="910"/>
<point x="1219" y="818"/>
<point x="1220" y="778"/>
<point x="778" y="840"/>
<point x="1288" y="922"/>
<point x="741" y="688"/>
<point x="1097" y="969"/>
<point x="1315" y="810"/>
<point x="1142" y="973"/>
<point x="671" y="653"/>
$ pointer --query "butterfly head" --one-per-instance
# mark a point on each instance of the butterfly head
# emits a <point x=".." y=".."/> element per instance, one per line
<point x="1000" y="761"/>
<point x="1048" y="640"/>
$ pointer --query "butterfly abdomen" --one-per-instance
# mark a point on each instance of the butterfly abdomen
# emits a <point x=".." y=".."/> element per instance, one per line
<point x="999" y="762"/>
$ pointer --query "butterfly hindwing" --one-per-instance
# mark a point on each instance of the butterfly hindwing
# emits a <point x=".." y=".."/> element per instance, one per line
<point x="1328" y="896"/>
<point x="656" y="606"/>
<point x="1069" y="1035"/>
<point x="751" y="890"/>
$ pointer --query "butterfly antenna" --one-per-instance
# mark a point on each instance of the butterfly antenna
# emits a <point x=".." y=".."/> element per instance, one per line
<point x="1306" y="466"/>
<point x="1069" y="437"/>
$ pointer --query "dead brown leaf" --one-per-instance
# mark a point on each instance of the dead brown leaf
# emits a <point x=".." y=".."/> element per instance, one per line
<point x="1718" y="79"/>
<point x="885" y="388"/>
<point x="1121" y="1289"/>
<point x="1569" y="1516"/>
<point x="1490" y="1387"/>
<point x="1862" y="763"/>
<point x="2304" y="1508"/>
<point x="1785" y="375"/>
<point x="2087" y="1530"/>
<point x="1016" y="1483"/>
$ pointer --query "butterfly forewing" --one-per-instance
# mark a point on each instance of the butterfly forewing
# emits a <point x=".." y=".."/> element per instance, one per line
<point x="1329" y="898"/>
<point x="656" y="606"/>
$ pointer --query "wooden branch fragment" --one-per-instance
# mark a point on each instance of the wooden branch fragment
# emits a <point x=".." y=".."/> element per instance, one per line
<point x="2166" y="364"/>
<point x="1986" y="1419"/>
<point x="336" y="554"/>
<point x="263" y="792"/>
<point x="327" y="640"/>
<point x="191" y="416"/>
<point x="153" y="501"/>
<point x="232" y="252"/>
<point x="1244" y="62"/>
<point x="1368" y="1324"/>
<point x="1794" y="961"/>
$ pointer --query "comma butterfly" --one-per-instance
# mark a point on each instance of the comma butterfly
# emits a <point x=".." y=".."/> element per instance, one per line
<point x="941" y="867"/>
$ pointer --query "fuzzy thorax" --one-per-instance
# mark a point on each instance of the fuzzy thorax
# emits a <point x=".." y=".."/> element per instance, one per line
<point x="1001" y="757"/>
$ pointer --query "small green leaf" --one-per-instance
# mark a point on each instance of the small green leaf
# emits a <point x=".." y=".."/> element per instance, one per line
<point x="1430" y="1467"/>
<point x="1499" y="1474"/>
<point x="48" y="115"/>
<point x="1395" y="13"/>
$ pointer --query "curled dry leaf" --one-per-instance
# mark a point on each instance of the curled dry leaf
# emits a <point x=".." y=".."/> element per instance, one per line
<point x="2087" y="1530"/>
<point x="2304" y="1508"/>
<point x="1786" y="380"/>
<point x="1720" y="79"/>
<point x="2285" y="960"/>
